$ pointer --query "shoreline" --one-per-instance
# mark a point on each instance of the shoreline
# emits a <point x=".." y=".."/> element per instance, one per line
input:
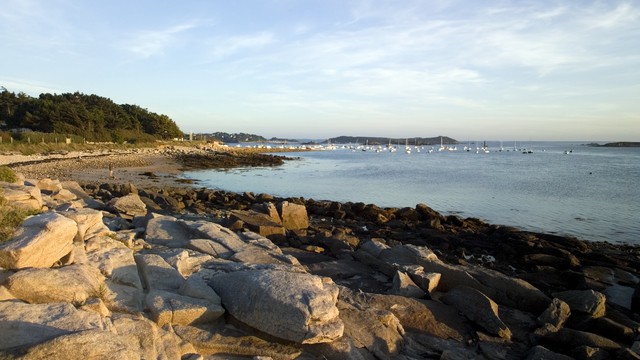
<point x="413" y="277"/>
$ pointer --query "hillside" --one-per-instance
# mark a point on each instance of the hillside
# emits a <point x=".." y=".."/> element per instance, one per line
<point x="93" y="117"/>
<point x="385" y="140"/>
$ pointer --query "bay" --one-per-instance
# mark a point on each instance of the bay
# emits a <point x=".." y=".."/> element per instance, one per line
<point x="564" y="188"/>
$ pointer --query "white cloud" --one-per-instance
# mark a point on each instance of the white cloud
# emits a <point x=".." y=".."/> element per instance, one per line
<point x="225" y="46"/>
<point x="151" y="43"/>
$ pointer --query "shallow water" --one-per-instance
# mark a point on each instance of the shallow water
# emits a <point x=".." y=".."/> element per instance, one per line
<point x="592" y="193"/>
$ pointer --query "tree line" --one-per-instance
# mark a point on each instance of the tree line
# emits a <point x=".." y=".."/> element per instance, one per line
<point x="93" y="117"/>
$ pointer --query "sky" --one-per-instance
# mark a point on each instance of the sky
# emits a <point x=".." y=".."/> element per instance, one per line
<point x="471" y="70"/>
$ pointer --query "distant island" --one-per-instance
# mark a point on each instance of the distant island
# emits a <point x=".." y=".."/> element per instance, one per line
<point x="618" y="144"/>
<point x="418" y="141"/>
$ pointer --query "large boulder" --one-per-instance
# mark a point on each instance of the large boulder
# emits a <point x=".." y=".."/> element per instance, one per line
<point x="171" y="308"/>
<point x="260" y="223"/>
<point x="588" y="302"/>
<point x="89" y="223"/>
<point x="294" y="216"/>
<point x="88" y="344"/>
<point x="22" y="197"/>
<point x="40" y="241"/>
<point x="25" y="324"/>
<point x="157" y="274"/>
<point x="129" y="206"/>
<point x="299" y="307"/>
<point x="155" y="342"/>
<point x="72" y="284"/>
<point x="478" y="308"/>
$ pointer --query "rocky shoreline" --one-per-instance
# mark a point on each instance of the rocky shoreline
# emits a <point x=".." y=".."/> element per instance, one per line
<point x="123" y="269"/>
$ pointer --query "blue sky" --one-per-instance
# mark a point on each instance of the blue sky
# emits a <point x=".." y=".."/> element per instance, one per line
<point x="495" y="69"/>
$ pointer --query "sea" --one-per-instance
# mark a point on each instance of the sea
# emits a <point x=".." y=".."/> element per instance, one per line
<point x="563" y="188"/>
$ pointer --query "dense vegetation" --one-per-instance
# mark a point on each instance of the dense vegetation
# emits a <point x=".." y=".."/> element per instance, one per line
<point x="232" y="138"/>
<point x="92" y="117"/>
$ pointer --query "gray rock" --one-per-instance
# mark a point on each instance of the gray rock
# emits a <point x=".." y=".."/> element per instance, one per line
<point x="72" y="284"/>
<point x="556" y="314"/>
<point x="50" y="185"/>
<point x="129" y="206"/>
<point x="157" y="274"/>
<point x="293" y="306"/>
<point x="40" y="241"/>
<point x="570" y="339"/>
<point x="478" y="308"/>
<point x="588" y="302"/>
<point x="22" y="197"/>
<point x="170" y="308"/>
<point x="258" y="222"/>
<point x="404" y="286"/>
<point x="231" y="341"/>
<point x="26" y="324"/>
<point x="88" y="344"/>
<point x="167" y="231"/>
<point x="197" y="288"/>
<point x="89" y="223"/>
<point x="155" y="342"/>
<point x="542" y="353"/>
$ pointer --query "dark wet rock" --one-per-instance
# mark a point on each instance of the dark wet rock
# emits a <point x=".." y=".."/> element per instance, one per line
<point x="542" y="353"/>
<point x="556" y="314"/>
<point x="478" y="308"/>
<point x="258" y="222"/>
<point x="566" y="339"/>
<point x="584" y="301"/>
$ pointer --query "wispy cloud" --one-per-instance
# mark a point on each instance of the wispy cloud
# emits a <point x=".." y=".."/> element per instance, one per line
<point x="155" y="42"/>
<point x="221" y="47"/>
<point x="29" y="87"/>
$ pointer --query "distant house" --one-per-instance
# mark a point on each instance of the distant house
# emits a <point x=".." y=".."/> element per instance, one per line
<point x="20" y="130"/>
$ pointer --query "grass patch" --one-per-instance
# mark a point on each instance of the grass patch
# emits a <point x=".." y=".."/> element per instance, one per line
<point x="11" y="218"/>
<point x="6" y="174"/>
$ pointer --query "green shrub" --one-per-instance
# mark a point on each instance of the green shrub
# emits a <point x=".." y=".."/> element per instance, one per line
<point x="6" y="174"/>
<point x="11" y="218"/>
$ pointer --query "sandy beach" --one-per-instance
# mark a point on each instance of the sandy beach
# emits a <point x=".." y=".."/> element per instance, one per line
<point x="160" y="166"/>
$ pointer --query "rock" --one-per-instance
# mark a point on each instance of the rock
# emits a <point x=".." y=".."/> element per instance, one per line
<point x="208" y="246"/>
<point x="424" y="317"/>
<point x="258" y="222"/>
<point x="197" y="288"/>
<point x="542" y="353"/>
<point x="82" y="196"/>
<point x="293" y="306"/>
<point x="157" y="274"/>
<point x="129" y="206"/>
<point x="379" y="331"/>
<point x="589" y="302"/>
<point x="229" y="340"/>
<point x="478" y="308"/>
<point x="155" y="342"/>
<point x="72" y="284"/>
<point x="49" y="185"/>
<point x="426" y="281"/>
<point x="88" y="344"/>
<point x="556" y="314"/>
<point x="173" y="309"/>
<point x="167" y="231"/>
<point x="26" y="324"/>
<point x="22" y="197"/>
<point x="619" y="295"/>
<point x="40" y="241"/>
<point x="89" y="223"/>
<point x="404" y="286"/>
<point x="96" y="305"/>
<point x="568" y="339"/>
<point x="64" y="196"/>
<point x="503" y="289"/>
<point x="114" y="260"/>
<point x="294" y="216"/>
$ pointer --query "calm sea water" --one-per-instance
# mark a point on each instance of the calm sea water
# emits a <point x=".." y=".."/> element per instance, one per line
<point x="592" y="193"/>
